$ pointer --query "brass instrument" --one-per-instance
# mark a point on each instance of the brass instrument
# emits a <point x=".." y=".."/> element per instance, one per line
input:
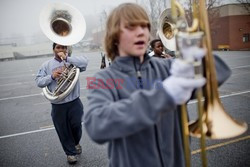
<point x="64" y="25"/>
<point x="218" y="124"/>
<point x="166" y="30"/>
<point x="213" y="121"/>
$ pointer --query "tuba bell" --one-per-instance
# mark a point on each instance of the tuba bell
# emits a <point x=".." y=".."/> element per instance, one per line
<point x="166" y="30"/>
<point x="63" y="24"/>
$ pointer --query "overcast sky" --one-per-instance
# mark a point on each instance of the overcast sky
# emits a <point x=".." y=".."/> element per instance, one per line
<point x="22" y="16"/>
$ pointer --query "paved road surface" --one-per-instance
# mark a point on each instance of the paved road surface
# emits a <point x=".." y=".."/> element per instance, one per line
<point x="28" y="139"/>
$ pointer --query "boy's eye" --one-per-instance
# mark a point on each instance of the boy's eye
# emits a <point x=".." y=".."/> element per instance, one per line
<point x="130" y="26"/>
<point x="144" y="25"/>
<point x="133" y="26"/>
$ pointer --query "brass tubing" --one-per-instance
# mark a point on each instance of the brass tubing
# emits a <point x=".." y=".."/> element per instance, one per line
<point x="201" y="121"/>
<point x="185" y="134"/>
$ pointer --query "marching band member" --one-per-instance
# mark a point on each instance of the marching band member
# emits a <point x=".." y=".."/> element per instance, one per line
<point x="158" y="49"/>
<point x="132" y="104"/>
<point x="103" y="62"/>
<point x="67" y="113"/>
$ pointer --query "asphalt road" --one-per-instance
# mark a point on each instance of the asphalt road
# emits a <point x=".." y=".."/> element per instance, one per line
<point x="28" y="139"/>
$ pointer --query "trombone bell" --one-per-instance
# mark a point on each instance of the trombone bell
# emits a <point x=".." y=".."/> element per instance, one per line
<point x="217" y="124"/>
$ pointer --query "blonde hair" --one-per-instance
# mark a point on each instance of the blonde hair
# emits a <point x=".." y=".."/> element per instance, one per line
<point x="129" y="12"/>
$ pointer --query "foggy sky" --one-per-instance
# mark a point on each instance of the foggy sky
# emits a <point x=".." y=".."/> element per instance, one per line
<point x="22" y="16"/>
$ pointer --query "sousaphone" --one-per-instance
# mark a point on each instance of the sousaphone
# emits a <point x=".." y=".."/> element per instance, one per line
<point x="166" y="31"/>
<point x="64" y="25"/>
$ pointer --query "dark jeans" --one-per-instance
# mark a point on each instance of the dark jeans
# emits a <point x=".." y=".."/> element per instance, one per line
<point x="67" y="120"/>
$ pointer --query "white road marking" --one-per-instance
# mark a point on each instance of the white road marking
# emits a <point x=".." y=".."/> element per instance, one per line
<point x="246" y="66"/>
<point x="40" y="94"/>
<point x="25" y="133"/>
<point x="17" y="97"/>
<point x="16" y="83"/>
<point x="16" y="76"/>
<point x="241" y="74"/>
<point x="44" y="128"/>
<point x="222" y="144"/>
<point x="235" y="94"/>
<point x="224" y="96"/>
<point x="36" y="104"/>
<point x="24" y="96"/>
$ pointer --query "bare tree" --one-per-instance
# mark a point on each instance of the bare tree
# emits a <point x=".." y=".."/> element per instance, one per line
<point x="103" y="18"/>
<point x="211" y="5"/>
<point x="245" y="4"/>
<point x="154" y="9"/>
<point x="99" y="35"/>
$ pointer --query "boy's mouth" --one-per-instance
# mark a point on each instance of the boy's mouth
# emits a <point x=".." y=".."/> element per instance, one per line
<point x="140" y="43"/>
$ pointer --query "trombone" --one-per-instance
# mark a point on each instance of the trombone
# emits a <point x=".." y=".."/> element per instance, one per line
<point x="213" y="122"/>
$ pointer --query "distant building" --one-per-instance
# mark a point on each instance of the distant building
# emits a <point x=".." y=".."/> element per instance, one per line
<point x="231" y="30"/>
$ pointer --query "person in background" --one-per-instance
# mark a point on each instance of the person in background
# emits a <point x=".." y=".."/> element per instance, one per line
<point x="67" y="113"/>
<point x="158" y="49"/>
<point x="133" y="103"/>
<point x="103" y="61"/>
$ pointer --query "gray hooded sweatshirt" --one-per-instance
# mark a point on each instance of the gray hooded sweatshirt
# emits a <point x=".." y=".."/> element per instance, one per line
<point x="129" y="109"/>
<point x="43" y="77"/>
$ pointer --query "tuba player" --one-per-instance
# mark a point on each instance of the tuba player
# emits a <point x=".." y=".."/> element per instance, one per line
<point x="66" y="113"/>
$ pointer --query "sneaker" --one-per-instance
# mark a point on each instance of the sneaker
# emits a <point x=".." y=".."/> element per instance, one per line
<point x="71" y="159"/>
<point x="78" y="149"/>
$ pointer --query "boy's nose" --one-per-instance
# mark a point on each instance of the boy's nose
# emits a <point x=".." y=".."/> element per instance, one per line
<point x="140" y="29"/>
